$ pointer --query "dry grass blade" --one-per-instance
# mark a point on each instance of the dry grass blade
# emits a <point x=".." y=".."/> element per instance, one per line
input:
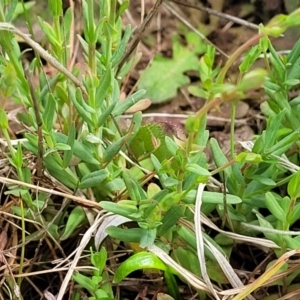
<point x="140" y="33"/>
<point x="224" y="264"/>
<point x="219" y="14"/>
<point x="113" y="220"/>
<point x="79" y="200"/>
<point x="84" y="241"/>
<point x="199" y="240"/>
<point x="267" y="275"/>
<point x="188" y="276"/>
<point x="241" y="238"/>
<point x="227" y="268"/>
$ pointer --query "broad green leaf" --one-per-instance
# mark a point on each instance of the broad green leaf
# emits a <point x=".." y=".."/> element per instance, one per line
<point x="76" y="218"/>
<point x="198" y="92"/>
<point x="150" y="139"/>
<point x="16" y="9"/>
<point x="148" y="237"/>
<point x="187" y="259"/>
<point x="98" y="259"/>
<point x="215" y="272"/>
<point x="166" y="75"/>
<point x="139" y="261"/>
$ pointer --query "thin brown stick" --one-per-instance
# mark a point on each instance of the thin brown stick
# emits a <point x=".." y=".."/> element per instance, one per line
<point x="218" y="14"/>
<point x="39" y="121"/>
<point x="139" y="34"/>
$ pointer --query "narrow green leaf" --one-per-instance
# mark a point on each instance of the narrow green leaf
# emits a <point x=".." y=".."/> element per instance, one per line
<point x="218" y="156"/>
<point x="67" y="23"/>
<point x="294" y="186"/>
<point x="295" y="214"/>
<point x="79" y="150"/>
<point x="171" y="145"/>
<point x="81" y="111"/>
<point x="118" y="54"/>
<point x="112" y="150"/>
<point x="130" y="235"/>
<point x="49" y="113"/>
<point x="65" y="176"/>
<point x="194" y="168"/>
<point x="294" y="55"/>
<point x="76" y="218"/>
<point x="105" y="115"/>
<point x="283" y="145"/>
<point x="172" y="285"/>
<point x="92" y="179"/>
<point x="84" y="281"/>
<point x="119" y="209"/>
<point x="104" y="85"/>
<point x="270" y="135"/>
<point x="170" y="219"/>
<point x="274" y="207"/>
<point x="137" y="121"/>
<point x="280" y="69"/>
<point x="123" y="7"/>
<point x="70" y="142"/>
<point x="134" y="188"/>
<point x="128" y="102"/>
<point x="265" y="224"/>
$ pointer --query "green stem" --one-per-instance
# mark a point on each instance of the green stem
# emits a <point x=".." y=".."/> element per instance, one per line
<point x="232" y="128"/>
<point x="23" y="242"/>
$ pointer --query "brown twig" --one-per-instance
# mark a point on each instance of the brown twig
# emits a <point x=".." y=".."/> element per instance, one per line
<point x="139" y="34"/>
<point x="218" y="14"/>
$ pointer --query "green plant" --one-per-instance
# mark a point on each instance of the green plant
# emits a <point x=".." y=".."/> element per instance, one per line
<point x="95" y="284"/>
<point x="142" y="174"/>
